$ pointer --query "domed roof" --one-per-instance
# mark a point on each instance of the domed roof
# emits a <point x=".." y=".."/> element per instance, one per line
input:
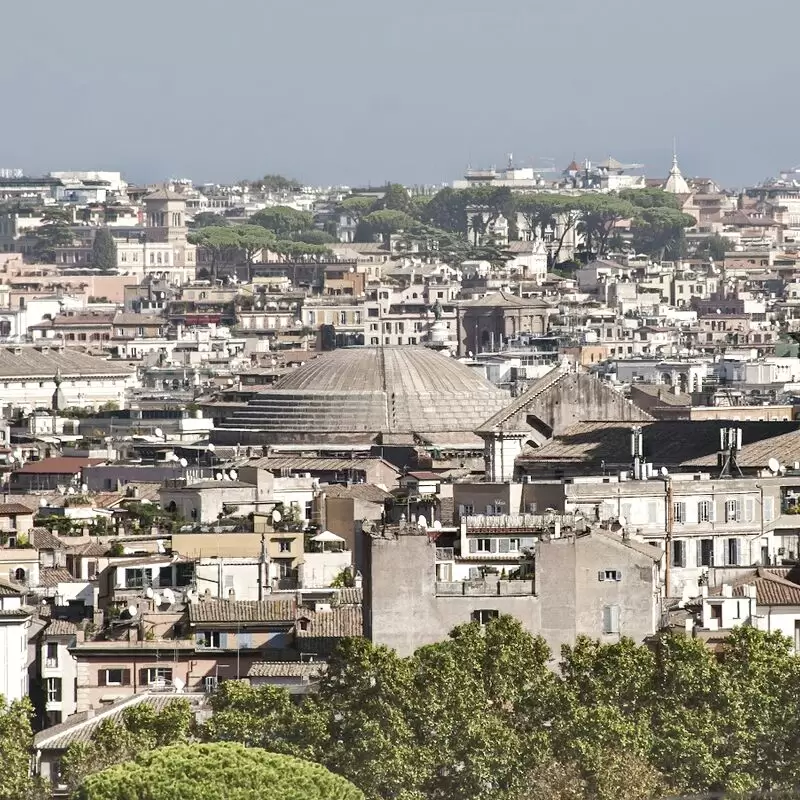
<point x="354" y="395"/>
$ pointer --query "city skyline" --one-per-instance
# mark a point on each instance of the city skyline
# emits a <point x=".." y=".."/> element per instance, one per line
<point x="358" y="94"/>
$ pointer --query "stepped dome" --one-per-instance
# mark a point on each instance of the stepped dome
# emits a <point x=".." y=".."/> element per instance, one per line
<point x="365" y="395"/>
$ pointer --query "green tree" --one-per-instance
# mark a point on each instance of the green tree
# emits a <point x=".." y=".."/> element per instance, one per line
<point x="356" y="206"/>
<point x="223" y="771"/>
<point x="383" y="223"/>
<point x="660" y="232"/>
<point x="221" y="243"/>
<point x="283" y="221"/>
<point x="54" y="232"/>
<point x="277" y="183"/>
<point x="104" y="250"/>
<point x="599" y="215"/>
<point x="559" y="212"/>
<point x="650" y="198"/>
<point x="209" y="219"/>
<point x="251" y="240"/>
<point x="715" y="246"/>
<point x="16" y="744"/>
<point x="315" y="237"/>
<point x="142" y="728"/>
<point x="446" y="210"/>
<point x="395" y="198"/>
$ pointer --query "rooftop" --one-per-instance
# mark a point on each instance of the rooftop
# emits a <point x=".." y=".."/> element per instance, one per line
<point x="242" y="611"/>
<point x="29" y="362"/>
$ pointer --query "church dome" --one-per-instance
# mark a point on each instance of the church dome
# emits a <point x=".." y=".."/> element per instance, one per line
<point x="359" y="395"/>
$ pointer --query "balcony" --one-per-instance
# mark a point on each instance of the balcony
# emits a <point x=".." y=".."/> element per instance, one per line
<point x="485" y="588"/>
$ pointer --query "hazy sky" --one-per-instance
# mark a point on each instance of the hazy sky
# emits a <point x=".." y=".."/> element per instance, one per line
<point x="338" y="91"/>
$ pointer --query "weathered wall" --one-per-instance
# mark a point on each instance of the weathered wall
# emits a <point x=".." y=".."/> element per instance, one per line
<point x="582" y="398"/>
<point x="401" y="609"/>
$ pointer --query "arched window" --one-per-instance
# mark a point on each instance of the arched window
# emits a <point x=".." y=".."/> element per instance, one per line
<point x="19" y="574"/>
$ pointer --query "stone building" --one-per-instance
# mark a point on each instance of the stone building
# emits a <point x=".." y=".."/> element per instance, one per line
<point x="486" y="323"/>
<point x="596" y="584"/>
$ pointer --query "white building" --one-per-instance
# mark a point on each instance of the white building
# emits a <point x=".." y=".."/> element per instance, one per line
<point x="58" y="670"/>
<point x="14" y="624"/>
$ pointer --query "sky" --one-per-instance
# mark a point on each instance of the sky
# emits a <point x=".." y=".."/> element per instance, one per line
<point x="367" y="91"/>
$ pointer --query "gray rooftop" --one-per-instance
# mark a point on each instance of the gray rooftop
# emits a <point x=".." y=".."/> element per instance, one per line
<point x="356" y="394"/>
<point x="29" y="362"/>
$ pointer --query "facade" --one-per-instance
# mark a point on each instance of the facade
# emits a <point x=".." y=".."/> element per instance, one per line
<point x="15" y="622"/>
<point x="57" y="670"/>
<point x="595" y="584"/>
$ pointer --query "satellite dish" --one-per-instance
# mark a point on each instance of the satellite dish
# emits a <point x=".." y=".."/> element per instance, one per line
<point x="169" y="596"/>
<point x="233" y="474"/>
<point x="11" y="459"/>
<point x="184" y="463"/>
<point x="664" y="471"/>
<point x="437" y="525"/>
<point x="42" y="502"/>
<point x="157" y="599"/>
<point x="622" y="521"/>
<point x="179" y="684"/>
<point x="17" y="454"/>
<point x="158" y="432"/>
<point x="148" y="592"/>
<point x="782" y="469"/>
<point x="71" y="490"/>
<point x="276" y="516"/>
<point x="218" y="476"/>
<point x="84" y="488"/>
<point x="211" y="448"/>
<point x="133" y="611"/>
<point x="774" y="465"/>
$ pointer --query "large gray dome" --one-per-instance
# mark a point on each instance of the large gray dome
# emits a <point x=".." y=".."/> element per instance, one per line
<point x="360" y="394"/>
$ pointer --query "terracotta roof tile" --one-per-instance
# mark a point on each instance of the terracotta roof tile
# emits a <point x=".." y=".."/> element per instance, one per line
<point x="242" y="611"/>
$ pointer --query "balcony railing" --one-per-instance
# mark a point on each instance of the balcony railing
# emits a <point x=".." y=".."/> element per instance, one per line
<point x="444" y="554"/>
<point x="484" y="588"/>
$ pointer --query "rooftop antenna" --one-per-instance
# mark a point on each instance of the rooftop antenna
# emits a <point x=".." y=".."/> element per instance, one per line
<point x="730" y="443"/>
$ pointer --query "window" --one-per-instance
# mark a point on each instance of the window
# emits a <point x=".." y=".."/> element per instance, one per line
<point x="113" y="677"/>
<point x="768" y="510"/>
<point x="610" y="619"/>
<point x="156" y="675"/>
<point x="309" y="509"/>
<point x="285" y="545"/>
<point x="514" y="545"/>
<point x="54" y="718"/>
<point x="704" y="511"/>
<point x="733" y="510"/>
<point x="343" y="318"/>
<point x="51" y="659"/>
<point x="54" y="690"/>
<point x="679" y="512"/>
<point x="678" y="553"/>
<point x="483" y="545"/>
<point x="466" y="510"/>
<point x="705" y="553"/>
<point x="609" y="575"/>
<point x="134" y="578"/>
<point x="483" y="615"/>
<point x="733" y="551"/>
<point x="212" y="639"/>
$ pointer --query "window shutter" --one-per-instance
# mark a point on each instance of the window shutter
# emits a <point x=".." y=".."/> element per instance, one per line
<point x="101" y="677"/>
<point x="143" y="676"/>
<point x="492" y="545"/>
<point x="601" y="575"/>
<point x="712" y="511"/>
<point x="618" y="575"/>
<point x="473" y="545"/>
<point x="527" y="541"/>
<point x="769" y="509"/>
<point x="461" y="510"/>
<point x="614" y="619"/>
<point x="489" y="510"/>
<point x="738" y="510"/>
<point x="126" y="677"/>
<point x="199" y="639"/>
<point x="504" y="545"/>
<point x="699" y="560"/>
<point x="223" y="640"/>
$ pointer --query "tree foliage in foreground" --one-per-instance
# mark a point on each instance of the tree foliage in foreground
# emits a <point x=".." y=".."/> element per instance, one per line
<point x="483" y="715"/>
<point x="224" y="771"/>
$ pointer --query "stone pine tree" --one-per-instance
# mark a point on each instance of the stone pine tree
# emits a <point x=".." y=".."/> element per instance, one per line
<point x="104" y="251"/>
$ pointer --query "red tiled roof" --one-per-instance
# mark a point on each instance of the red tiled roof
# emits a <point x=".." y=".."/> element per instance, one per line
<point x="12" y="509"/>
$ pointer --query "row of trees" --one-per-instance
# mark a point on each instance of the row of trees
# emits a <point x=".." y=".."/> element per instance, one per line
<point x="484" y="715"/>
<point x="657" y="226"/>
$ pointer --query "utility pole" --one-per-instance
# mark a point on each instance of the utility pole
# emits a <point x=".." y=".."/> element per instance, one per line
<point x="668" y="537"/>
